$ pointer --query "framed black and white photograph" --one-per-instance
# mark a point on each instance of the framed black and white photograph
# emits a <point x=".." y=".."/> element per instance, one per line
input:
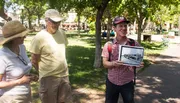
<point x="131" y="55"/>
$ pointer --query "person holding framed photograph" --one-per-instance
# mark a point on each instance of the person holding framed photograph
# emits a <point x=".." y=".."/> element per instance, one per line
<point x="120" y="77"/>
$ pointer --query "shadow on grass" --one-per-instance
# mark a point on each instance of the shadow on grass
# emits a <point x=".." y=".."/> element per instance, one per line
<point x="75" y="35"/>
<point x="146" y="64"/>
<point x="82" y="73"/>
<point x="80" y="61"/>
<point x="86" y="97"/>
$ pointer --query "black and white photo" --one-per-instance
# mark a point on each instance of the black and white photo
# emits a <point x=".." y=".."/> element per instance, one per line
<point x="131" y="55"/>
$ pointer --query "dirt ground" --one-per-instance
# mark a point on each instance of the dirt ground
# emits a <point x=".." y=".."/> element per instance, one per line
<point x="157" y="84"/>
<point x="84" y="95"/>
<point x="87" y="95"/>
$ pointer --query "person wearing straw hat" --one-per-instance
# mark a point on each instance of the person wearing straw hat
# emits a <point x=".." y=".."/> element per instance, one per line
<point x="48" y="49"/>
<point x="15" y="64"/>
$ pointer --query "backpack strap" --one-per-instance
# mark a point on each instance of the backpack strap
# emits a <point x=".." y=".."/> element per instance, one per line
<point x="131" y="42"/>
<point x="110" y="43"/>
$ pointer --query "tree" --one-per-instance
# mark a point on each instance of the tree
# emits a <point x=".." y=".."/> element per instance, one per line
<point x="79" y="8"/>
<point x="166" y="14"/>
<point x="40" y="9"/>
<point x="31" y="8"/>
<point x="142" y="10"/>
<point x="100" y="6"/>
<point x="111" y="11"/>
<point x="100" y="10"/>
<point x="139" y="10"/>
<point x="2" y="13"/>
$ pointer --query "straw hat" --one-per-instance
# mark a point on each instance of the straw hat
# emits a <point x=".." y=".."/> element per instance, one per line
<point x="11" y="30"/>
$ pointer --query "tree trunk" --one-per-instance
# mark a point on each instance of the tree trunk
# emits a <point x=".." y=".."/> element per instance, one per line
<point x="179" y="26"/>
<point x="97" y="62"/>
<point x="170" y="26"/>
<point x="134" y="27"/>
<point x="100" y="10"/>
<point x="139" y="30"/>
<point x="109" y="26"/>
<point x="79" y="24"/>
<point x="144" y="24"/>
<point x="39" y="17"/>
<point x="29" y="22"/>
<point x="3" y="15"/>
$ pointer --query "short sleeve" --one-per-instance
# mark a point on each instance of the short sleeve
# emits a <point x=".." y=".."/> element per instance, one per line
<point x="35" y="45"/>
<point x="105" y="53"/>
<point x="3" y="65"/>
<point x="65" y="37"/>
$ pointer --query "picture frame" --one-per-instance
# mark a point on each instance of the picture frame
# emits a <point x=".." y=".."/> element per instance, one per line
<point x="131" y="55"/>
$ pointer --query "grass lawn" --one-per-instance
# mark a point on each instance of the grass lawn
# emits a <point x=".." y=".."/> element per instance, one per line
<point x="80" y="58"/>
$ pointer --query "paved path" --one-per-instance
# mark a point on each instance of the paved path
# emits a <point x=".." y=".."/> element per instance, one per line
<point x="157" y="38"/>
<point x="160" y="82"/>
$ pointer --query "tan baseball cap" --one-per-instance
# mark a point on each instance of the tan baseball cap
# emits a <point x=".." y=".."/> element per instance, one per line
<point x="53" y="15"/>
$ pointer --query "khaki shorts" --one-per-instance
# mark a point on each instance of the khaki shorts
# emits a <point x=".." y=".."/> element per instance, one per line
<point x="55" y="90"/>
<point x="15" y="99"/>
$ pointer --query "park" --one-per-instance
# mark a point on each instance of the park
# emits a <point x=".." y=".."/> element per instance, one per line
<point x="154" y="24"/>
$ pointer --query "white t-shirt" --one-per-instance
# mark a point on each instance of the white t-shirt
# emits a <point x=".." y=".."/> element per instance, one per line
<point x="14" y="67"/>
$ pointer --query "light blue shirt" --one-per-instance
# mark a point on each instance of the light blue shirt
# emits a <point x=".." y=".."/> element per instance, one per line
<point x="13" y="68"/>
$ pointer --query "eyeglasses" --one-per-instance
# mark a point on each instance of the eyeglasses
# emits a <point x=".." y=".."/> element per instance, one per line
<point x="22" y="60"/>
<point x="56" y="23"/>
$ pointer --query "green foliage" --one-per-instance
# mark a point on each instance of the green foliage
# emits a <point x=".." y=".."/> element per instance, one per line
<point x="89" y="13"/>
<point x="2" y="2"/>
<point x="152" y="46"/>
<point x="92" y="26"/>
<point x="61" y="5"/>
<point x="153" y="49"/>
<point x="167" y="14"/>
<point x="31" y="9"/>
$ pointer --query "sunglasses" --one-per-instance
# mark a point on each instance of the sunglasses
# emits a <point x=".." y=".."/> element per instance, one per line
<point x="56" y="23"/>
<point x="22" y="60"/>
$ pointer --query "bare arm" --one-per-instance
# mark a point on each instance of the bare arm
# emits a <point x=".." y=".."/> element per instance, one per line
<point x="141" y="65"/>
<point x="35" y="58"/>
<point x="110" y="64"/>
<point x="106" y="63"/>
<point x="5" y="84"/>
